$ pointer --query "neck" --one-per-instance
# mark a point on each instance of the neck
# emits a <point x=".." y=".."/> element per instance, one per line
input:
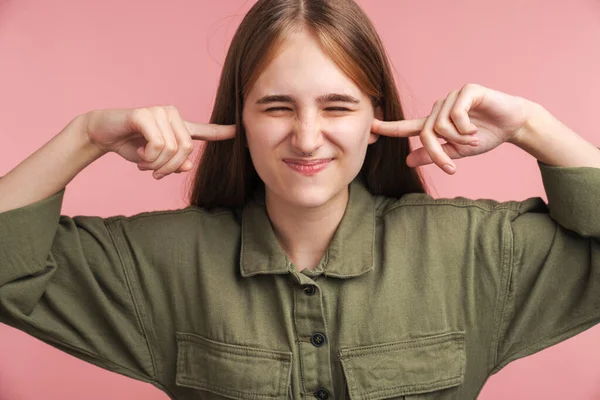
<point x="305" y="233"/>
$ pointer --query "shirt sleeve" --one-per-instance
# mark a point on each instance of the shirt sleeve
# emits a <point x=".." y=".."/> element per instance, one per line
<point x="552" y="260"/>
<point x="62" y="281"/>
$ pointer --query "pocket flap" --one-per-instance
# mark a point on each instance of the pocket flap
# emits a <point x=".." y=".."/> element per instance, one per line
<point x="402" y="368"/>
<point x="238" y="372"/>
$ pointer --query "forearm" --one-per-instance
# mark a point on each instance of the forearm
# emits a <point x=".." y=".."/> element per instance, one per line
<point x="553" y="143"/>
<point x="50" y="168"/>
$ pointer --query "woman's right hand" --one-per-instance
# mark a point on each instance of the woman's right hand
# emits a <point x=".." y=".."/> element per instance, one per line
<point x="156" y="138"/>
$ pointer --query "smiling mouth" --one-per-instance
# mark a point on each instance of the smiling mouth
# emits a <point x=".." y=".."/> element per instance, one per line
<point x="307" y="162"/>
<point x="308" y="167"/>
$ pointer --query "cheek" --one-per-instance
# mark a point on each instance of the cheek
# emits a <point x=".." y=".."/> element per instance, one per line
<point x="351" y="133"/>
<point x="263" y="134"/>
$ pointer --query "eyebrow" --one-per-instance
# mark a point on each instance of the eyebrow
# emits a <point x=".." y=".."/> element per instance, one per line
<point x="329" y="97"/>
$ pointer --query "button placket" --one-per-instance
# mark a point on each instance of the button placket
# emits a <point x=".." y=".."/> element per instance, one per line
<point x="314" y="351"/>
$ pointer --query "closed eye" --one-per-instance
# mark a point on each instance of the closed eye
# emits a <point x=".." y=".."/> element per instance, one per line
<point x="286" y="108"/>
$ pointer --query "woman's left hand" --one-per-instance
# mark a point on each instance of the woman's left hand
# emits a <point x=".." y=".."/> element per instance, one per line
<point x="472" y="121"/>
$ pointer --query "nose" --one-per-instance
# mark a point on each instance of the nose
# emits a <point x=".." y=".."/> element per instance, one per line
<point x="307" y="135"/>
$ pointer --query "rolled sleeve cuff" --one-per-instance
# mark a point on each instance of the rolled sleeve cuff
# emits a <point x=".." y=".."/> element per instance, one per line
<point x="26" y="236"/>
<point x="573" y="197"/>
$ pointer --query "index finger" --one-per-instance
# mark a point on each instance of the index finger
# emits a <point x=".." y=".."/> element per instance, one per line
<point x="403" y="128"/>
<point x="210" y="131"/>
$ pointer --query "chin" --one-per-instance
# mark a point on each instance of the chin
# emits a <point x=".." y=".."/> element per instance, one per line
<point x="309" y="195"/>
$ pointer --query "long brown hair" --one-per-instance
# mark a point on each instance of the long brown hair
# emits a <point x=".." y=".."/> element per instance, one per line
<point x="225" y="176"/>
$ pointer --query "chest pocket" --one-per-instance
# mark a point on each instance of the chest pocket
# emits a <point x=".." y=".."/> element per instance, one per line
<point x="429" y="368"/>
<point x="232" y="371"/>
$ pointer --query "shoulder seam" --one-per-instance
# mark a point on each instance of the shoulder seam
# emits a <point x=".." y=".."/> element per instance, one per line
<point x="148" y="214"/>
<point x="511" y="205"/>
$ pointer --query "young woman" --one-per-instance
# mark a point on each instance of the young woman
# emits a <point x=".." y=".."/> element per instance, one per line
<point x="310" y="261"/>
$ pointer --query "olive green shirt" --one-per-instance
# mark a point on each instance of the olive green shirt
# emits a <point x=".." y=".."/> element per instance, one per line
<point x="415" y="298"/>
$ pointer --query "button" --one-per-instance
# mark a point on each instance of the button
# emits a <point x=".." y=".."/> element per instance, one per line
<point x="309" y="289"/>
<point x="321" y="394"/>
<point x="317" y="339"/>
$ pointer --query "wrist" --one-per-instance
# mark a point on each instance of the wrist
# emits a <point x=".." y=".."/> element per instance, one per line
<point x="550" y="141"/>
<point x="531" y="129"/>
<point x="88" y="146"/>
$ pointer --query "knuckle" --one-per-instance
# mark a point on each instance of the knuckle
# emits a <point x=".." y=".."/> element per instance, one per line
<point x="171" y="109"/>
<point x="140" y="113"/>
<point x="159" y="111"/>
<point x="441" y="127"/>
<point x="157" y="145"/>
<point x="172" y="113"/>
<point x="170" y="148"/>
<point x="470" y="86"/>
<point x="455" y="113"/>
<point x="187" y="147"/>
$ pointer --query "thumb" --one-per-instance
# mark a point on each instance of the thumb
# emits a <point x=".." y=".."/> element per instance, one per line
<point x="420" y="156"/>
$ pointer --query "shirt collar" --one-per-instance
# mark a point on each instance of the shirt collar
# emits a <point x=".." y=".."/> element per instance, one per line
<point x="350" y="252"/>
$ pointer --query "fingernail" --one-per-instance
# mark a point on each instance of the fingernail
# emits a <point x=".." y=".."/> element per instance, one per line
<point x="474" y="143"/>
<point x="449" y="168"/>
<point x="159" y="176"/>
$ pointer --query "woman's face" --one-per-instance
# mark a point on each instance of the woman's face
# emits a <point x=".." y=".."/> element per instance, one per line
<point x="302" y="102"/>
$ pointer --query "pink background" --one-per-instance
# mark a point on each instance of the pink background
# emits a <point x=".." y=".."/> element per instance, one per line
<point x="65" y="57"/>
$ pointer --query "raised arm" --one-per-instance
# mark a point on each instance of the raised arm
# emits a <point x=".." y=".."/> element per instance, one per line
<point x="156" y="138"/>
<point x="67" y="280"/>
<point x="50" y="168"/>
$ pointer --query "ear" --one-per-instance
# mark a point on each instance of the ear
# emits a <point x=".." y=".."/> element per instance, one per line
<point x="379" y="115"/>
